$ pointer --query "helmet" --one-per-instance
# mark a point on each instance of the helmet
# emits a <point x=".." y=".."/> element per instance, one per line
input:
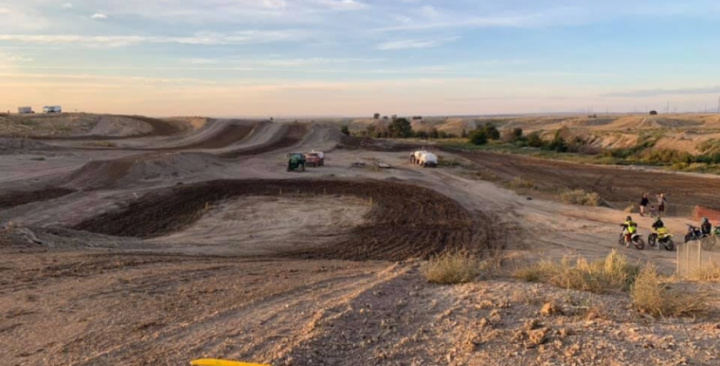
<point x="705" y="219"/>
<point x="658" y="219"/>
<point x="628" y="218"/>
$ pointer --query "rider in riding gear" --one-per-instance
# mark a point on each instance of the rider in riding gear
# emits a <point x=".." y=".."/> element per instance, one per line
<point x="658" y="224"/>
<point x="706" y="227"/>
<point x="629" y="228"/>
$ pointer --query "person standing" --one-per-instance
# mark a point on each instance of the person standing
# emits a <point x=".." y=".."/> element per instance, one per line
<point x="662" y="204"/>
<point x="644" y="201"/>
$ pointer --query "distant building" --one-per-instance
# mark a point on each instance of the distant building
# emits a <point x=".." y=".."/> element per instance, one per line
<point x="25" y="110"/>
<point x="52" y="109"/>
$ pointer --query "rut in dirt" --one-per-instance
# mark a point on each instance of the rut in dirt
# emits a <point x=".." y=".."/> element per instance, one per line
<point x="405" y="221"/>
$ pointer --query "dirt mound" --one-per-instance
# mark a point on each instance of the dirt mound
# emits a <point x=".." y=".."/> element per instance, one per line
<point x="405" y="221"/>
<point x="111" y="126"/>
<point x="124" y="171"/>
<point x="291" y="135"/>
<point x="83" y="126"/>
<point x="216" y="135"/>
<point x="12" y="199"/>
<point x="21" y="145"/>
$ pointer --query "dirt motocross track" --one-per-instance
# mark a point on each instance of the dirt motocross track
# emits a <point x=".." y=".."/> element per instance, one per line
<point x="391" y="234"/>
<point x="160" y="247"/>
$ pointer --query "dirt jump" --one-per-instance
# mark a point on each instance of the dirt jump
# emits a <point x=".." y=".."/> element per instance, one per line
<point x="404" y="222"/>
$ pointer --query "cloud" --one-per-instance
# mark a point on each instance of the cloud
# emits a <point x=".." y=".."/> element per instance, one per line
<point x="342" y="4"/>
<point x="4" y="11"/>
<point x="199" y="61"/>
<point x="67" y="6"/>
<point x="15" y="58"/>
<point x="200" y="38"/>
<point x="662" y="92"/>
<point x="413" y="44"/>
<point x="98" y="16"/>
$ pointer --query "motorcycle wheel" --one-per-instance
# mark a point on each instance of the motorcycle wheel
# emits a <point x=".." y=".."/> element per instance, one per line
<point x="639" y="244"/>
<point x="669" y="245"/>
<point x="707" y="243"/>
<point x="688" y="237"/>
<point x="652" y="240"/>
<point x="621" y="240"/>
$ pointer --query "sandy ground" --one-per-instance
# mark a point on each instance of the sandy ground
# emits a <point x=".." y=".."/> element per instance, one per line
<point x="70" y="297"/>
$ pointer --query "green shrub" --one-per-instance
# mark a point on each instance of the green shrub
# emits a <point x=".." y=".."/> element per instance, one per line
<point x="478" y="137"/>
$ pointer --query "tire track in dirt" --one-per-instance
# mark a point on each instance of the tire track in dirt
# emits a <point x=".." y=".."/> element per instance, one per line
<point x="405" y="221"/>
<point x="292" y="135"/>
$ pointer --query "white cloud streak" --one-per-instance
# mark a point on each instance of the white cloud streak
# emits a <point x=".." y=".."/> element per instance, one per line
<point x="98" y="16"/>
<point x="202" y="38"/>
<point x="413" y="44"/>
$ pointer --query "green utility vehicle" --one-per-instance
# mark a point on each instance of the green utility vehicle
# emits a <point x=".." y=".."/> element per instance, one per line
<point x="296" y="161"/>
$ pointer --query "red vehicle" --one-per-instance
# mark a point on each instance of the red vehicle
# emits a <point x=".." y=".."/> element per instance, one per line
<point x="315" y="158"/>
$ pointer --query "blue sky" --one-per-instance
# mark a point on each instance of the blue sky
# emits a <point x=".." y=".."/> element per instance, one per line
<point x="354" y="57"/>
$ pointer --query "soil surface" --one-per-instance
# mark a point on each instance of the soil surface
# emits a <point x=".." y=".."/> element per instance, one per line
<point x="192" y="241"/>
<point x="618" y="186"/>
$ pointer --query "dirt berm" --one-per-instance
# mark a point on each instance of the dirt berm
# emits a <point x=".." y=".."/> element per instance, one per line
<point x="405" y="221"/>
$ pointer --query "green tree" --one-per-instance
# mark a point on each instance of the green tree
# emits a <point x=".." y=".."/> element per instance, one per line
<point x="558" y="143"/>
<point x="491" y="131"/>
<point x="345" y="130"/>
<point x="433" y="133"/>
<point x="400" y="128"/>
<point x="464" y="134"/>
<point x="478" y="137"/>
<point x="534" y="140"/>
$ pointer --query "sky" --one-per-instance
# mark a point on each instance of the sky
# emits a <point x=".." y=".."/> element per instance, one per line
<point x="292" y="58"/>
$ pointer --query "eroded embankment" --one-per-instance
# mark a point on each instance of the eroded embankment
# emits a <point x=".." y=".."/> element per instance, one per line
<point x="405" y="221"/>
<point x="13" y="199"/>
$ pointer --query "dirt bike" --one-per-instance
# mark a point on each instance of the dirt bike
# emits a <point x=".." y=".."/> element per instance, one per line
<point x="661" y="236"/>
<point x="693" y="233"/>
<point x="706" y="241"/>
<point x="635" y="238"/>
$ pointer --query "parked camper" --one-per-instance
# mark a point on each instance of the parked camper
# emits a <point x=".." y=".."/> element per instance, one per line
<point x="25" y="110"/>
<point x="52" y="109"/>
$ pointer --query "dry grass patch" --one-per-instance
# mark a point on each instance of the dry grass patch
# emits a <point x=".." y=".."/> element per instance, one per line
<point x="580" y="197"/>
<point x="651" y="295"/>
<point x="710" y="273"/>
<point x="455" y="267"/>
<point x="521" y="183"/>
<point x="612" y="274"/>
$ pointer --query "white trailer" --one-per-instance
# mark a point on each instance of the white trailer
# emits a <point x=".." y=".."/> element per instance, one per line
<point x="25" y="110"/>
<point x="52" y="109"/>
<point x="424" y="158"/>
